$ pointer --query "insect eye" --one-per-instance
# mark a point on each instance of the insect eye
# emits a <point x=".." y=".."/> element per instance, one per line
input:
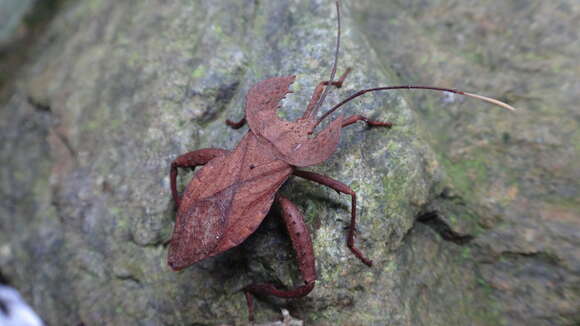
<point x="252" y="166"/>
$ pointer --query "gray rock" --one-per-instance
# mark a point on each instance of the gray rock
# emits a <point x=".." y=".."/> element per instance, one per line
<point x="469" y="212"/>
<point x="12" y="13"/>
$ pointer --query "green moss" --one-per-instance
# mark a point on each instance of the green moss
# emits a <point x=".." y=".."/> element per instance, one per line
<point x="468" y="174"/>
<point x="394" y="188"/>
<point x="92" y="125"/>
<point x="491" y="315"/>
<point x="391" y="267"/>
<point x="198" y="72"/>
<point x="312" y="212"/>
<point x="566" y="203"/>
<point x="134" y="59"/>
<point x="576" y="141"/>
<point x="466" y="253"/>
<point x="95" y="5"/>
<point x="452" y="218"/>
<point x="115" y="123"/>
<point x="219" y="30"/>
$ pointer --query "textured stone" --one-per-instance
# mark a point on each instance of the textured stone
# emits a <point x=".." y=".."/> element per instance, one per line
<point x="469" y="212"/>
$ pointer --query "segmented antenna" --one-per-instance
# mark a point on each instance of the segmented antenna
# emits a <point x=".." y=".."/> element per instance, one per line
<point x="439" y="89"/>
<point x="333" y="71"/>
<point x="364" y="91"/>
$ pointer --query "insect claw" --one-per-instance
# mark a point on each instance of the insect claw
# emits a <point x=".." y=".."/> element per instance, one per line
<point x="355" y="230"/>
<point x="367" y="261"/>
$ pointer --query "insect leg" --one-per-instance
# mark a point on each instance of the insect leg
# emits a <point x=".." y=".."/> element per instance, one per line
<point x="191" y="160"/>
<point x="236" y="125"/>
<point x="302" y="243"/>
<point x="339" y="187"/>
<point x="372" y="123"/>
<point x="320" y="88"/>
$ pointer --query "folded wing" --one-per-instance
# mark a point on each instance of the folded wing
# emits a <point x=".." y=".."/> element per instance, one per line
<point x="225" y="202"/>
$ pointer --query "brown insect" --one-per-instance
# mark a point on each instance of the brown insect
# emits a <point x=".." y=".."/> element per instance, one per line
<point x="228" y="198"/>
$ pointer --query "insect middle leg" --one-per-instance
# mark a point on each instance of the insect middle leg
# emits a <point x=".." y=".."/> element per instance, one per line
<point x="339" y="187"/>
<point x="302" y="243"/>
<point x="236" y="125"/>
<point x="320" y="88"/>
<point x="191" y="160"/>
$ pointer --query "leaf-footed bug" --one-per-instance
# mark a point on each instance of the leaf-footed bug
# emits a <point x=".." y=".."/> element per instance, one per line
<point x="230" y="195"/>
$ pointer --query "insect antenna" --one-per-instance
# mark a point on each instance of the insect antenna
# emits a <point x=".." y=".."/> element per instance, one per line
<point x="439" y="89"/>
<point x="333" y="71"/>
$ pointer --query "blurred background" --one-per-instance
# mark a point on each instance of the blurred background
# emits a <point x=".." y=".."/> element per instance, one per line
<point x="476" y="218"/>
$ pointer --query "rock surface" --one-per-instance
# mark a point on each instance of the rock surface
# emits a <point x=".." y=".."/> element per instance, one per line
<point x="11" y="15"/>
<point x="470" y="213"/>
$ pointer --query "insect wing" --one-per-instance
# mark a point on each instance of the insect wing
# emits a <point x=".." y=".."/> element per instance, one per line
<point x="252" y="201"/>
<point x="224" y="203"/>
<point x="198" y="228"/>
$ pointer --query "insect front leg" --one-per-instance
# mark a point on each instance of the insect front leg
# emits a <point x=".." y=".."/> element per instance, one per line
<point x="302" y="243"/>
<point x="320" y="88"/>
<point x="339" y="187"/>
<point x="372" y="123"/>
<point x="191" y="160"/>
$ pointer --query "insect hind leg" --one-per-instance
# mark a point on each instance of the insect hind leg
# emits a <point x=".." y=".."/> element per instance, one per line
<point x="302" y="243"/>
